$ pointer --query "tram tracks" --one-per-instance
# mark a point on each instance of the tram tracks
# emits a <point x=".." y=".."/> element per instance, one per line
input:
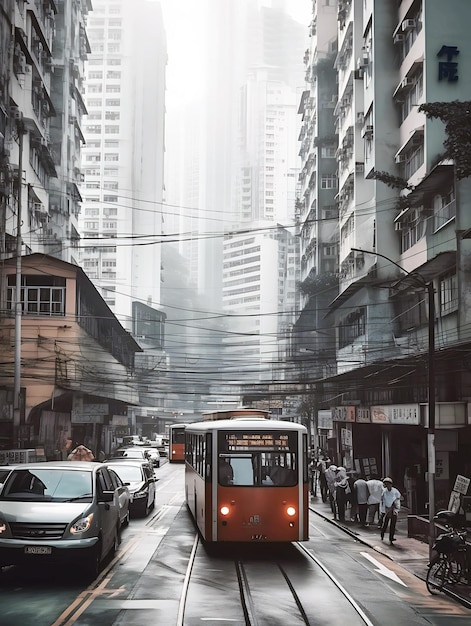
<point x="250" y="591"/>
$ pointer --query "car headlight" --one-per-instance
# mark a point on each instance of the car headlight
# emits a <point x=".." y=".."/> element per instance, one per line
<point x="139" y="494"/>
<point x="81" y="525"/>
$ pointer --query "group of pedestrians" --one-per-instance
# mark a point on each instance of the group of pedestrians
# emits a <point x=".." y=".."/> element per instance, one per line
<point x="364" y="500"/>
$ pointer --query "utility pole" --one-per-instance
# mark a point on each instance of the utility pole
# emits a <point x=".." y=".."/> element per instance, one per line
<point x="18" y="308"/>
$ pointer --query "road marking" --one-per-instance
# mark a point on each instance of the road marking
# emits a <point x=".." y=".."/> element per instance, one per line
<point x="383" y="570"/>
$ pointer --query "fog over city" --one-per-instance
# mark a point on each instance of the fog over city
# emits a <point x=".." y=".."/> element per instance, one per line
<point x="220" y="53"/>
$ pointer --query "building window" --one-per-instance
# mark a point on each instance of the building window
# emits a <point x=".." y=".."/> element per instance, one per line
<point x="444" y="209"/>
<point x="329" y="181"/>
<point x="352" y="327"/>
<point x="40" y="295"/>
<point x="448" y="294"/>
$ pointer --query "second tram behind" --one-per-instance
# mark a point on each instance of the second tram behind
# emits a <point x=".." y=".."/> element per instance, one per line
<point x="246" y="480"/>
<point x="176" y="443"/>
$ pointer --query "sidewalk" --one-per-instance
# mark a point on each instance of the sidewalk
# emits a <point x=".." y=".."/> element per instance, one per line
<point x="410" y="553"/>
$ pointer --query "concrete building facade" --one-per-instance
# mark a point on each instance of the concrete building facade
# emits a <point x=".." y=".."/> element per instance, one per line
<point x="403" y="252"/>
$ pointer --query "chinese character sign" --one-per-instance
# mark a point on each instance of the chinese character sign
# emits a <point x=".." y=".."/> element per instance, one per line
<point x="448" y="67"/>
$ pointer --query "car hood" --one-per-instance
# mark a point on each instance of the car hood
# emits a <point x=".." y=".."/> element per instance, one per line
<point x="33" y="512"/>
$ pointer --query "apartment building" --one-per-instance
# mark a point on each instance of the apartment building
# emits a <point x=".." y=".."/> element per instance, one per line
<point x="65" y="336"/>
<point x="403" y="252"/>
<point x="121" y="218"/>
<point x="123" y="171"/>
<point x="45" y="46"/>
<point x="317" y="208"/>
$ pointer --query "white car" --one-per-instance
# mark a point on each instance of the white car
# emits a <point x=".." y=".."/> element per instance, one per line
<point x="65" y="512"/>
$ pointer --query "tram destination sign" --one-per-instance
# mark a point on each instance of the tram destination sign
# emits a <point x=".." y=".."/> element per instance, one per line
<point x="263" y="441"/>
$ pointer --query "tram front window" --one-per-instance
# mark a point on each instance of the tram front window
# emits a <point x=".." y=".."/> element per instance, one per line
<point x="262" y="468"/>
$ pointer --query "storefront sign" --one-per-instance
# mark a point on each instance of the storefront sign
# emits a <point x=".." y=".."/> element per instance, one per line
<point x="395" y="414"/>
<point x="363" y="415"/>
<point x="448" y="67"/>
<point x="120" y="420"/>
<point x="346" y="436"/>
<point x="343" y="413"/>
<point x="461" y="484"/>
<point x="17" y="456"/>
<point x="324" y="419"/>
<point x="78" y="418"/>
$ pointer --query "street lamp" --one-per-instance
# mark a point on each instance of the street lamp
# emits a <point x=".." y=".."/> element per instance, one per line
<point x="428" y="286"/>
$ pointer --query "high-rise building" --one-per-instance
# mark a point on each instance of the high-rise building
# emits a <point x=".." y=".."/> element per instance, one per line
<point x="123" y="161"/>
<point x="400" y="310"/>
<point x="41" y="79"/>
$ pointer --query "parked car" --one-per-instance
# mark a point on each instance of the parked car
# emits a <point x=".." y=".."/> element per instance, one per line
<point x="124" y="497"/>
<point x="163" y="451"/>
<point x="135" y="453"/>
<point x="154" y="456"/>
<point x="139" y="479"/>
<point x="64" y="512"/>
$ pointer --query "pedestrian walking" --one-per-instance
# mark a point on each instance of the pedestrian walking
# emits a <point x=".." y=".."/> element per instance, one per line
<point x="322" y="466"/>
<point x="390" y="505"/>
<point x="342" y="491"/>
<point x="375" y="490"/>
<point x="361" y="491"/>
<point x="352" y="496"/>
<point x="330" y="475"/>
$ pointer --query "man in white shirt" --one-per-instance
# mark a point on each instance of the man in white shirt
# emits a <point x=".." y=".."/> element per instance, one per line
<point x="389" y="506"/>
<point x="375" y="489"/>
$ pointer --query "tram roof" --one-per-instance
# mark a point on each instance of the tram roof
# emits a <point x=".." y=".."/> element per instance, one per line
<point x="245" y="423"/>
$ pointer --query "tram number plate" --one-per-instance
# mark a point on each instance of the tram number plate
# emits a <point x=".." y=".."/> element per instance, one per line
<point x="38" y="550"/>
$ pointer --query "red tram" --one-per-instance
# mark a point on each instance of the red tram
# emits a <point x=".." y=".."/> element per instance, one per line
<point x="246" y="480"/>
<point x="176" y="443"/>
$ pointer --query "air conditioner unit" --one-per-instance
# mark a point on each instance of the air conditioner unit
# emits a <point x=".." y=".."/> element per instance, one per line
<point x="408" y="24"/>
<point x="37" y="207"/>
<point x="358" y="74"/>
<point x="400" y="158"/>
<point x="398" y="226"/>
<point x="398" y="38"/>
<point x="407" y="82"/>
<point x="367" y="130"/>
<point x="359" y="167"/>
<point x="360" y="117"/>
<point x="362" y="62"/>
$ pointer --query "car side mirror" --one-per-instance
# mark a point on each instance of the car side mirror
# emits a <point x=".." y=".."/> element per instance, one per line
<point x="107" y="496"/>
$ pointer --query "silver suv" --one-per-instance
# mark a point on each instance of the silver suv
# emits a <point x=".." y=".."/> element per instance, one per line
<point x="65" y="511"/>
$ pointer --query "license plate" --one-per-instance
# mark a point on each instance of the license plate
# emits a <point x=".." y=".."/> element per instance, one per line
<point x="38" y="550"/>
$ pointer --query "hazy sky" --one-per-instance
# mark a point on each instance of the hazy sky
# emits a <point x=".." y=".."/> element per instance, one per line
<point x="185" y="23"/>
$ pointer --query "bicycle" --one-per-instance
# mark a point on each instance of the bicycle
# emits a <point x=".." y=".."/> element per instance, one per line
<point x="450" y="565"/>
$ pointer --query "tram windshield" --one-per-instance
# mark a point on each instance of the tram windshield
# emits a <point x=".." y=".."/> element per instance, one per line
<point x="258" y="459"/>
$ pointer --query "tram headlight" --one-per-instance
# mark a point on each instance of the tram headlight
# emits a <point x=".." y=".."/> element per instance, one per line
<point x="291" y="511"/>
<point x="224" y="510"/>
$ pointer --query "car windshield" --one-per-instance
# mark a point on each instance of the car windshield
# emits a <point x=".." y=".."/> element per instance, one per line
<point x="52" y="485"/>
<point x="128" y="473"/>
